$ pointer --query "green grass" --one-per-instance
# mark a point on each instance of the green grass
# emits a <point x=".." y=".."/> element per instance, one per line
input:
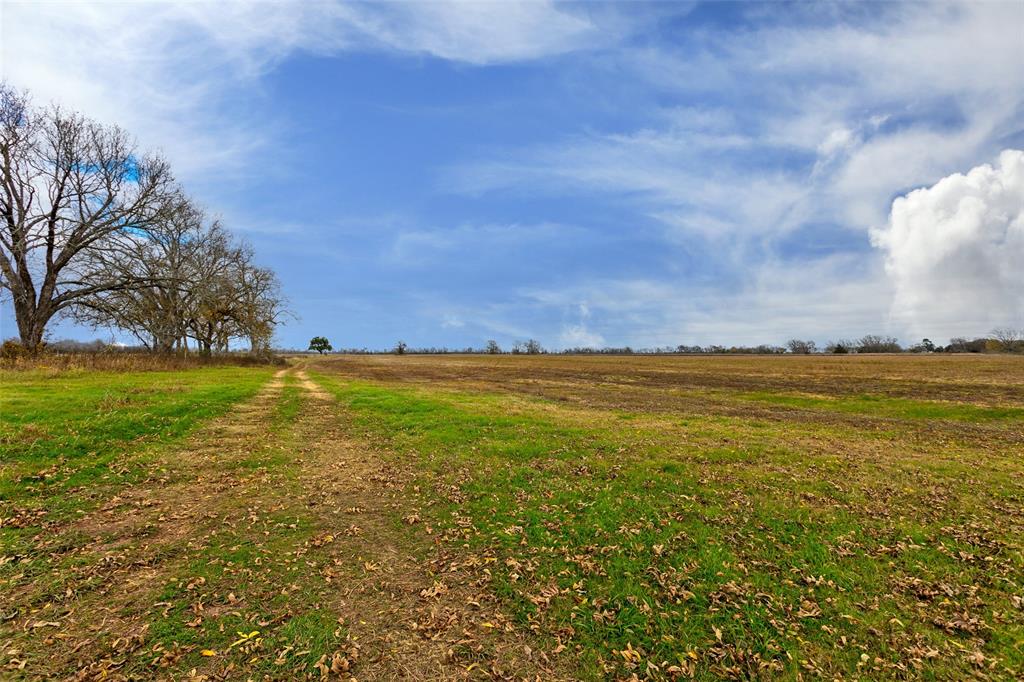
<point x="636" y="535"/>
<point x="70" y="440"/>
<point x="881" y="406"/>
<point x="104" y="432"/>
<point x="238" y="577"/>
<point x="798" y="539"/>
<point x="63" y="432"/>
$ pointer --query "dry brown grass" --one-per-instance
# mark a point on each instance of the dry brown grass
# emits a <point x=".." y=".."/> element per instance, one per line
<point x="128" y="361"/>
<point x="979" y="379"/>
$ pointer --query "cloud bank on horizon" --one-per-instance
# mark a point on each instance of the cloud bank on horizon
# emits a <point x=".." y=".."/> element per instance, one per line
<point x="581" y="173"/>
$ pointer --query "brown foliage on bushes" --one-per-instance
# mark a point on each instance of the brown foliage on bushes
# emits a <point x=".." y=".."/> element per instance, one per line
<point x="14" y="356"/>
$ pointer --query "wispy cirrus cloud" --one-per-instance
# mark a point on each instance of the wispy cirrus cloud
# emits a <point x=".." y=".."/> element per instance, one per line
<point x="183" y="76"/>
<point x="421" y="244"/>
<point x="804" y="126"/>
<point x="854" y="112"/>
<point x="777" y="303"/>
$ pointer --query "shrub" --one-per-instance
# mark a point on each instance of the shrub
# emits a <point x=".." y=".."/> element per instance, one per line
<point x="959" y="344"/>
<point x="839" y="347"/>
<point x="12" y="350"/>
<point x="130" y="360"/>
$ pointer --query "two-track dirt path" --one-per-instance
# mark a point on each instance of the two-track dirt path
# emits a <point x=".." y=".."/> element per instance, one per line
<point x="403" y="610"/>
<point x="416" y="612"/>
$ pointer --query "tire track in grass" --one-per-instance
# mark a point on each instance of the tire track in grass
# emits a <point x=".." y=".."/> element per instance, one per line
<point x="92" y="603"/>
<point x="411" y="613"/>
<point x="271" y="546"/>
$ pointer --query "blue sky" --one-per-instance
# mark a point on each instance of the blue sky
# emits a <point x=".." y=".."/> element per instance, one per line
<point x="582" y="174"/>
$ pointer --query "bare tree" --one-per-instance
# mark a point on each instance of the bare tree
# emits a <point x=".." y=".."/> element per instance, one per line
<point x="533" y="347"/>
<point x="1009" y="339"/>
<point x="195" y="281"/>
<point x="230" y="297"/>
<point x="260" y="304"/>
<point x="213" y="308"/>
<point x="959" y="344"/>
<point x="872" y="343"/>
<point x="71" y="187"/>
<point x="199" y="283"/>
<point x="492" y="347"/>
<point x="798" y="347"/>
<point x="164" y="262"/>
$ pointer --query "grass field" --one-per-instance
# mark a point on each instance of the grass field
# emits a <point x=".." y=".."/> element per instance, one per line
<point x="436" y="517"/>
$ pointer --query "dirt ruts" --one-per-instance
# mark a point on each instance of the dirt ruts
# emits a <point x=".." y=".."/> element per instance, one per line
<point x="406" y="609"/>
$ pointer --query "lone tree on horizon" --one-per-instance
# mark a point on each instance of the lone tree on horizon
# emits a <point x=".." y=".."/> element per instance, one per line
<point x="320" y="344"/>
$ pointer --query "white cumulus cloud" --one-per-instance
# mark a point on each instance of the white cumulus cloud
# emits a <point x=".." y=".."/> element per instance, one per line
<point x="955" y="251"/>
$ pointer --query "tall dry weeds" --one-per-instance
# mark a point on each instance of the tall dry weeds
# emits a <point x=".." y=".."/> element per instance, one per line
<point x="127" y="361"/>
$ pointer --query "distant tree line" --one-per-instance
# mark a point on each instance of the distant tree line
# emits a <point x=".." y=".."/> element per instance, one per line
<point x="94" y="230"/>
<point x="1004" y="340"/>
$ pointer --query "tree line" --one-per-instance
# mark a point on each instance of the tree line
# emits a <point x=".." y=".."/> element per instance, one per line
<point x="1004" y="340"/>
<point x="100" y="232"/>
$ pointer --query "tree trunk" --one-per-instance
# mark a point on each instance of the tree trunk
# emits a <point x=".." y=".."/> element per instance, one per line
<point x="31" y="324"/>
<point x="32" y="338"/>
